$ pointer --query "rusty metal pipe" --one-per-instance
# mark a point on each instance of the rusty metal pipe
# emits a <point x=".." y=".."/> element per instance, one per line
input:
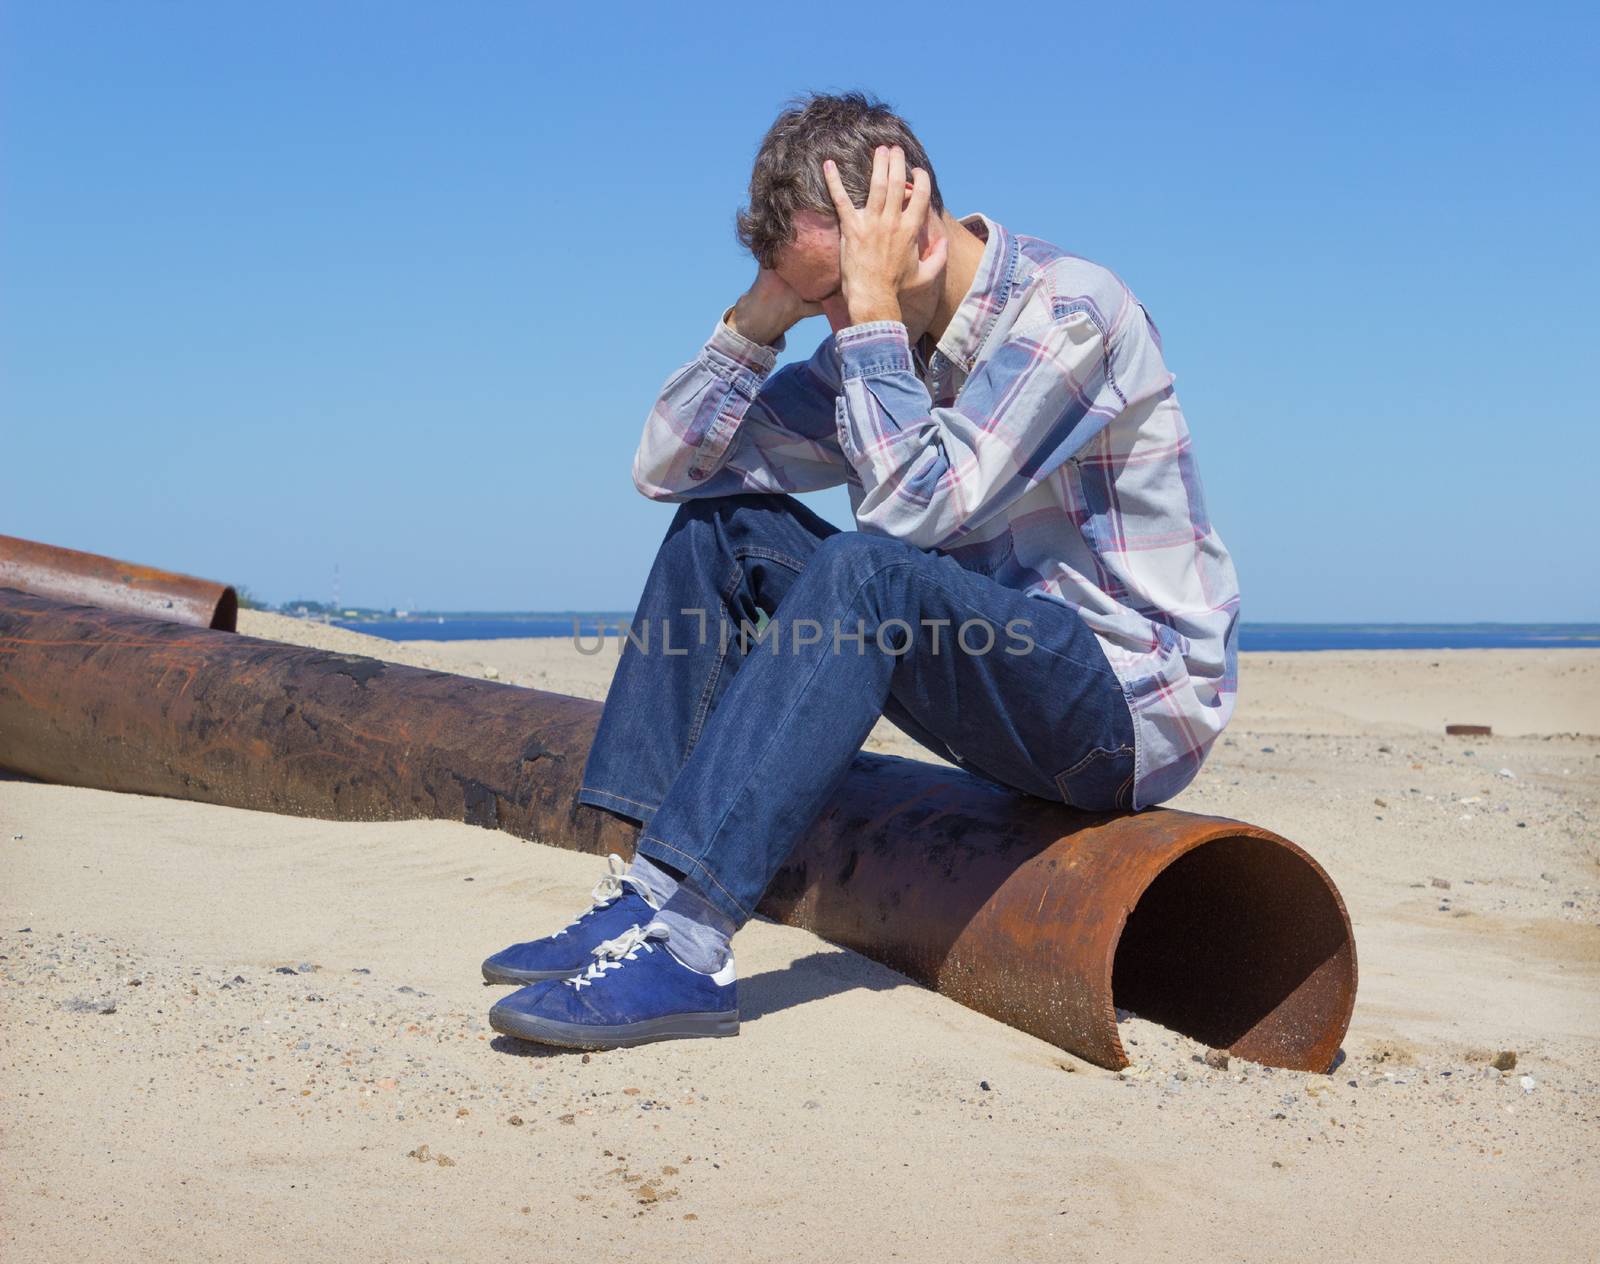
<point x="1035" y="914"/>
<point x="87" y="578"/>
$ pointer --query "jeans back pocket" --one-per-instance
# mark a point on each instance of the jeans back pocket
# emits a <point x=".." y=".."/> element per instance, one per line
<point x="1102" y="781"/>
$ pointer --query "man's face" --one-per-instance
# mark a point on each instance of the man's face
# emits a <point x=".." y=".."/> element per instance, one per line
<point x="809" y="265"/>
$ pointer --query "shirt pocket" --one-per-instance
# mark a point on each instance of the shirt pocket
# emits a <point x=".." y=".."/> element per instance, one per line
<point x="1078" y="318"/>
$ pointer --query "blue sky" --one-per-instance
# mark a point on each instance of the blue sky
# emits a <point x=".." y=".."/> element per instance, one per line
<point x="391" y="286"/>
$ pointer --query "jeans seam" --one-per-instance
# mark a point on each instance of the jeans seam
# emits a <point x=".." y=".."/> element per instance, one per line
<point x="772" y="555"/>
<point x="620" y="798"/>
<point x="697" y="868"/>
<point x="703" y="705"/>
<point x="1125" y="793"/>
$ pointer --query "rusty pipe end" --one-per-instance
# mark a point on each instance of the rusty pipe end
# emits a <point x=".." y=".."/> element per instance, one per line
<point x="1240" y="941"/>
<point x="77" y="578"/>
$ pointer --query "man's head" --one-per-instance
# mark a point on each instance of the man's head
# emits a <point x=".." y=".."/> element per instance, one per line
<point x="790" y="225"/>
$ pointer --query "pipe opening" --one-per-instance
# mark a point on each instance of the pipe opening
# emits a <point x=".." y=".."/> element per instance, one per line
<point x="226" y="616"/>
<point x="1239" y="943"/>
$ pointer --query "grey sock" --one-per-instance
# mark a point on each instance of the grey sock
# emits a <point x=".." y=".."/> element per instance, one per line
<point x="697" y="930"/>
<point x="657" y="881"/>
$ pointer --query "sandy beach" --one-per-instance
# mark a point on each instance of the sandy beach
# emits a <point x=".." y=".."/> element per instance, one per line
<point x="236" y="1036"/>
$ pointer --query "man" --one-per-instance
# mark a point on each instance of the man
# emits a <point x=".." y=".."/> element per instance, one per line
<point x="1033" y="591"/>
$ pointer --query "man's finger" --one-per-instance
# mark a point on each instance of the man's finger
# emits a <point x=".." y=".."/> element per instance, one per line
<point x="894" y="185"/>
<point x="878" y="189"/>
<point x="842" y="204"/>
<point x="921" y="192"/>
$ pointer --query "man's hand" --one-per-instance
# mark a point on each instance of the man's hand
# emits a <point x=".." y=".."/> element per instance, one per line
<point x="769" y="309"/>
<point x="880" y="255"/>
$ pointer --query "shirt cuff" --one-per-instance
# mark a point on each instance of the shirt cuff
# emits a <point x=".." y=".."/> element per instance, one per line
<point x="877" y="346"/>
<point x="731" y="348"/>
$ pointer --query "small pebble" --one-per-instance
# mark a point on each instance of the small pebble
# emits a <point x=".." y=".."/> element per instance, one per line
<point x="82" y="1005"/>
<point x="1505" y="1060"/>
<point x="1528" y="1083"/>
<point x="1217" y="1059"/>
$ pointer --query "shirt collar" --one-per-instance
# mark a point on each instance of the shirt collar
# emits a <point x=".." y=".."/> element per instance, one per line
<point x="985" y="298"/>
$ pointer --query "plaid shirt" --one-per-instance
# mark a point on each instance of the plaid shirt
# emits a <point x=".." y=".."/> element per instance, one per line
<point x="1041" y="444"/>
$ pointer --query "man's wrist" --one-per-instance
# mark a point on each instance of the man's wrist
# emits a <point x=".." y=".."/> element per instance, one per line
<point x="746" y="353"/>
<point x="874" y="306"/>
<point x="752" y="327"/>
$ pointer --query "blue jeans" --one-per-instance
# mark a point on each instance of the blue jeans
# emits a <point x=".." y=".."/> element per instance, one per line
<point x="726" y="747"/>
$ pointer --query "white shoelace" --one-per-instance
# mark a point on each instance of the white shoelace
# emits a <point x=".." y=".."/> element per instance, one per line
<point x="611" y="954"/>
<point x="607" y="889"/>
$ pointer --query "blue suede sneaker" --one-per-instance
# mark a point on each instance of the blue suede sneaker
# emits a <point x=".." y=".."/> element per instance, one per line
<point x="620" y="902"/>
<point x="635" y="992"/>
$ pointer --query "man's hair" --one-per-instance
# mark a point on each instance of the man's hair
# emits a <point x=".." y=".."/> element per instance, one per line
<point x="788" y="177"/>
